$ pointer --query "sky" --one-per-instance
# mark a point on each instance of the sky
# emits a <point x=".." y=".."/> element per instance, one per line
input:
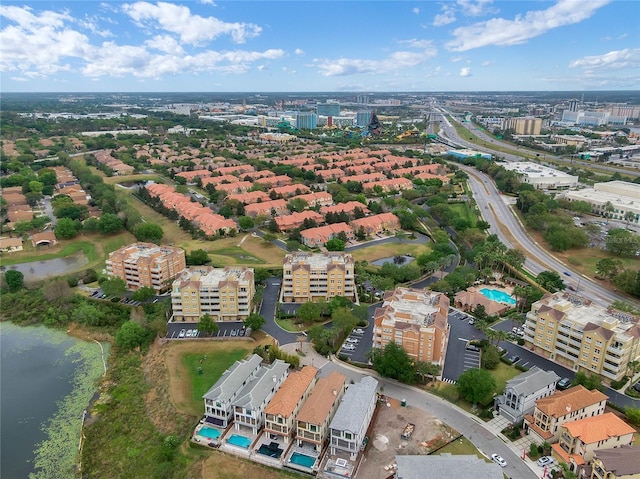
<point x="323" y="46"/>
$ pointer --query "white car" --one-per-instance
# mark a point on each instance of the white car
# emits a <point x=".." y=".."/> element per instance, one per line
<point x="194" y="333"/>
<point x="498" y="460"/>
<point x="189" y="333"/>
<point x="349" y="347"/>
<point x="182" y="333"/>
<point x="358" y="331"/>
<point x="544" y="461"/>
<point x="353" y="340"/>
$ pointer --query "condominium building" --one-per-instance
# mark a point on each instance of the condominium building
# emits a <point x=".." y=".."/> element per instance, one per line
<point x="416" y="320"/>
<point x="281" y="412"/>
<point x="315" y="277"/>
<point x="581" y="335"/>
<point x="146" y="264"/>
<point x="223" y="293"/>
<point x="524" y="125"/>
<point x="563" y="406"/>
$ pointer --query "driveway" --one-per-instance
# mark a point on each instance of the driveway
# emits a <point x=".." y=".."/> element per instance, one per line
<point x="268" y="310"/>
<point x="458" y="359"/>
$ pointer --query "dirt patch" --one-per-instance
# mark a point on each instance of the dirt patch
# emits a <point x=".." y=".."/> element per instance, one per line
<point x="225" y="466"/>
<point x="385" y="442"/>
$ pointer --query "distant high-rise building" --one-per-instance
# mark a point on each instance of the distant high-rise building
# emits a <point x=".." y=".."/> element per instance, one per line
<point x="306" y="121"/>
<point x="362" y="118"/>
<point x="328" y="109"/>
<point x="574" y="104"/>
<point x="363" y="99"/>
<point x="525" y="125"/>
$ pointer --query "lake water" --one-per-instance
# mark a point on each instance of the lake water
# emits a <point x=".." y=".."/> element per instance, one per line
<point x="47" y="379"/>
<point x="39" y="270"/>
<point x="390" y="259"/>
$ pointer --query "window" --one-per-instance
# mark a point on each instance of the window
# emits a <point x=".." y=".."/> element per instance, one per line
<point x="347" y="435"/>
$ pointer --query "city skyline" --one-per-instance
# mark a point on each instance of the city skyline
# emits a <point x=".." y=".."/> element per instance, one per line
<point x="332" y="46"/>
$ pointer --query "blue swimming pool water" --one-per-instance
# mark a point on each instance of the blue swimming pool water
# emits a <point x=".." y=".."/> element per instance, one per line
<point x="497" y="295"/>
<point x="302" y="460"/>
<point x="209" y="433"/>
<point x="241" y="441"/>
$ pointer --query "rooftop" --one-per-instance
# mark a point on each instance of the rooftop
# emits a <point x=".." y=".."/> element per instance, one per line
<point x="419" y="307"/>
<point x="258" y="388"/>
<point x="531" y="381"/>
<point x="353" y="407"/>
<point x="324" y="394"/>
<point x="446" y="465"/>
<point x="209" y="276"/>
<point x="598" y="428"/>
<point x="621" y="461"/>
<point x="318" y="260"/>
<point x="288" y="396"/>
<point x="233" y="379"/>
<point x="534" y="170"/>
<point x="573" y="399"/>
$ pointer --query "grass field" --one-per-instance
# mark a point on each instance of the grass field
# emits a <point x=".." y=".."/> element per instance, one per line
<point x="387" y="250"/>
<point x="461" y="446"/>
<point x="465" y="212"/>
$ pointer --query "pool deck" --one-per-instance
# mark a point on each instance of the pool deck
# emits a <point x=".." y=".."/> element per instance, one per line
<point x="308" y="450"/>
<point x="238" y="450"/>
<point x="205" y="440"/>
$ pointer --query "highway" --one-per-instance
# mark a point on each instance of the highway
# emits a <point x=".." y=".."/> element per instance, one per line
<point x="504" y="223"/>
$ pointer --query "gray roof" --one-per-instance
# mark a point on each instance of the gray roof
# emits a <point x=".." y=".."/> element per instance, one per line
<point x="233" y="379"/>
<point x="531" y="381"/>
<point x="622" y="461"/>
<point x="353" y="408"/>
<point x="446" y="465"/>
<point x="259" y="387"/>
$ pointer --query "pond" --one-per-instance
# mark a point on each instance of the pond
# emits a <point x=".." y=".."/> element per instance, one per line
<point x="40" y="270"/>
<point x="400" y="260"/>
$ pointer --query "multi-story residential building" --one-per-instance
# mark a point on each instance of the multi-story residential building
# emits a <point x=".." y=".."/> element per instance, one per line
<point x="251" y="400"/>
<point x="318" y="411"/>
<point x="563" y="406"/>
<point x="315" y="277"/>
<point x="268" y="208"/>
<point x="376" y="224"/>
<point x="280" y="414"/>
<point x="320" y="198"/>
<point x="296" y="220"/>
<point x="394" y="184"/>
<point x="223" y="293"/>
<point x="581" y="335"/>
<point x="218" y="400"/>
<point x="416" y="320"/>
<point x="146" y="264"/>
<point x="579" y="440"/>
<point x="306" y="121"/>
<point x="522" y="392"/>
<point x="616" y="463"/>
<point x="524" y="125"/>
<point x="316" y="237"/>
<point x="348" y="427"/>
<point x="328" y="109"/>
<point x="289" y="191"/>
<point x="349" y="207"/>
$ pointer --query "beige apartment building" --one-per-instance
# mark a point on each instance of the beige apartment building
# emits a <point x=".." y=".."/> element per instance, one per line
<point x="416" y="320"/>
<point x="146" y="264"/>
<point x="223" y="293"/>
<point x="579" y="334"/>
<point x="315" y="277"/>
<point x="543" y="425"/>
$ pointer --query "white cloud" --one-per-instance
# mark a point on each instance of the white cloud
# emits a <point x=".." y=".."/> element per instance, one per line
<point x="477" y="8"/>
<point x="455" y="59"/>
<point x="416" y="10"/>
<point x="499" y="31"/>
<point x="20" y="79"/>
<point x="262" y="68"/>
<point x="614" y="60"/>
<point x="353" y="66"/>
<point x="299" y="51"/>
<point x="415" y="43"/>
<point x="465" y="72"/>
<point x="447" y="16"/>
<point x="192" y="29"/>
<point x="487" y="63"/>
<point x="208" y="2"/>
<point x="166" y="44"/>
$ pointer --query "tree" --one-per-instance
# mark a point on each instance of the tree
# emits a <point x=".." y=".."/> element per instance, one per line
<point x="633" y="415"/>
<point x="629" y="216"/>
<point x="339" y="302"/>
<point x="66" y="228"/>
<point x="254" y="321"/>
<point x="490" y="357"/>
<point x="622" y="242"/>
<point x="131" y="335"/>
<point x="110" y="224"/>
<point x="476" y="385"/>
<point x="208" y="325"/>
<point x="551" y="281"/>
<point x="14" y="279"/>
<point x="143" y="294"/>
<point x="246" y="223"/>
<point x="297" y="205"/>
<point x="608" y="267"/>
<point x="149" y="232"/>
<point x="426" y="369"/>
<point x="480" y="313"/>
<point x="393" y="362"/>
<point x="197" y="257"/>
<point x="589" y="381"/>
<point x="113" y="287"/>
<point x="335" y="244"/>
<point x="57" y="290"/>
<point x="309" y="312"/>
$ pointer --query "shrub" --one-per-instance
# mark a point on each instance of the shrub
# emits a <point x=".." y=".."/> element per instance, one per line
<point x="620" y="383"/>
<point x="521" y="368"/>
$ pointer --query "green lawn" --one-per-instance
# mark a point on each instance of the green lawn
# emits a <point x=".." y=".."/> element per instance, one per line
<point x="88" y="248"/>
<point x="465" y="212"/>
<point x="461" y="446"/>
<point x="240" y="255"/>
<point x="212" y="368"/>
<point x="502" y="374"/>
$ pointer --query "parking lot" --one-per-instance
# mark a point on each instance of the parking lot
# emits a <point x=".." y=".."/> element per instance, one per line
<point x="353" y="342"/>
<point x="461" y="355"/>
<point x="179" y="330"/>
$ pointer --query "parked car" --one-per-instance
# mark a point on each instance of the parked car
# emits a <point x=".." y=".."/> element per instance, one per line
<point x="349" y="347"/>
<point x="247" y="332"/>
<point x="472" y="320"/>
<point x="182" y="333"/>
<point x="358" y="331"/>
<point x="498" y="460"/>
<point x="234" y="332"/>
<point x="514" y="359"/>
<point x="544" y="461"/>
<point x="472" y="347"/>
<point x="564" y="383"/>
<point x="194" y="333"/>
<point x="189" y="333"/>
<point x="353" y="340"/>
<point x="636" y="386"/>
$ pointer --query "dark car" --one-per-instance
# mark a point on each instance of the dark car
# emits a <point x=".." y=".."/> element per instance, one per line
<point x="514" y="359"/>
<point x="564" y="383"/>
<point x="636" y="386"/>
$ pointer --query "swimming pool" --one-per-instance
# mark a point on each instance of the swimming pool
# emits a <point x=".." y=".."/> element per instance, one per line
<point x="497" y="295"/>
<point x="302" y="460"/>
<point x="240" y="441"/>
<point x="209" y="433"/>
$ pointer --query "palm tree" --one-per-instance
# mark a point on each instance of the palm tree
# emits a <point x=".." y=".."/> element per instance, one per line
<point x="608" y="209"/>
<point x="427" y="369"/>
<point x="629" y="216"/>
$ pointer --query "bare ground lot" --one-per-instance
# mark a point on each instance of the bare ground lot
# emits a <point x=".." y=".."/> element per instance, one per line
<point x="385" y="442"/>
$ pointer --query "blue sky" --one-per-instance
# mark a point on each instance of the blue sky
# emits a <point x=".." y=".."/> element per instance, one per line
<point x="206" y="45"/>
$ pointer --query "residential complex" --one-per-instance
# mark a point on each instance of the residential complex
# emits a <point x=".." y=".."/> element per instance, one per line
<point x="318" y="411"/>
<point x="280" y="414"/>
<point x="563" y="406"/>
<point x="522" y="392"/>
<point x="579" y="440"/>
<point x="416" y="320"/>
<point x="583" y="336"/>
<point x="351" y="422"/>
<point x="616" y="463"/>
<point x="223" y="293"/>
<point x="317" y="276"/>
<point x="146" y="264"/>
